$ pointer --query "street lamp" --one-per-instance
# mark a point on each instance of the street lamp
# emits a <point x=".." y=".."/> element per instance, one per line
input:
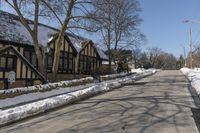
<point x="191" y="21"/>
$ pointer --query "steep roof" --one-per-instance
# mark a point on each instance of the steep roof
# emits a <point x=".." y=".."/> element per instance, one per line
<point x="12" y="30"/>
<point x="76" y="41"/>
<point x="102" y="54"/>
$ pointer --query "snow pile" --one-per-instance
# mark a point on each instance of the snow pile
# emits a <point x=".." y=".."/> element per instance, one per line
<point x="20" y="112"/>
<point x="68" y="83"/>
<point x="49" y="86"/>
<point x="27" y="110"/>
<point x="194" y="77"/>
<point x="139" y="70"/>
<point x="113" y="76"/>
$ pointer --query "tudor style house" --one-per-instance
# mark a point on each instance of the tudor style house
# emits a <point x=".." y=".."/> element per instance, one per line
<point x="79" y="56"/>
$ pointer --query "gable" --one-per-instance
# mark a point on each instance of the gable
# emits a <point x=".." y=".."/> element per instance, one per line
<point x="13" y="31"/>
<point x="24" y="66"/>
<point x="90" y="46"/>
<point x="88" y="49"/>
<point x="66" y="46"/>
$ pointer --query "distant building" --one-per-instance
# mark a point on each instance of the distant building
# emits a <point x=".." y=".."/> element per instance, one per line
<point x="78" y="55"/>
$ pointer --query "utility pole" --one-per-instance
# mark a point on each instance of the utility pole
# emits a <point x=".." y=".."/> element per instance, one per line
<point x="184" y="56"/>
<point x="190" y="44"/>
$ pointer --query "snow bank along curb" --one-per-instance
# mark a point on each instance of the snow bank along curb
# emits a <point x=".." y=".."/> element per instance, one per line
<point x="193" y="76"/>
<point x="113" y="76"/>
<point x="121" y="75"/>
<point x="68" y="83"/>
<point x="48" y="86"/>
<point x="27" y="110"/>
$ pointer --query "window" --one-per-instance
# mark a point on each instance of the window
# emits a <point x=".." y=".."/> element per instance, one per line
<point x="50" y="60"/>
<point x="95" y="63"/>
<point x="7" y="63"/>
<point x="10" y="63"/>
<point x="31" y="57"/>
<point x="70" y="61"/>
<point x="81" y="62"/>
<point x="34" y="60"/>
<point x="66" y="62"/>
<point x="3" y="62"/>
<point x="60" y="63"/>
<point x="70" y="64"/>
<point x="27" y="55"/>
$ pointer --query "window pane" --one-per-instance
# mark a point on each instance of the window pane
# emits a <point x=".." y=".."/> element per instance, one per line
<point x="70" y="64"/>
<point x="65" y="63"/>
<point x="85" y="65"/>
<point x="3" y="62"/>
<point x="34" y="59"/>
<point x="70" y="56"/>
<point x="92" y="65"/>
<point x="60" y="63"/>
<point x="65" y="55"/>
<point x="10" y="63"/>
<point x="27" y="55"/>
<point x="50" y="61"/>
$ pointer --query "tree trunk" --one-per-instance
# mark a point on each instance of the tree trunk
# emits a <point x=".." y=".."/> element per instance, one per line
<point x="109" y="52"/>
<point x="60" y="40"/>
<point x="56" y="59"/>
<point x="41" y="59"/>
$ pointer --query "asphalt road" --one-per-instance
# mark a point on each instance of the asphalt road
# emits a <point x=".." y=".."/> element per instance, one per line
<point x="161" y="103"/>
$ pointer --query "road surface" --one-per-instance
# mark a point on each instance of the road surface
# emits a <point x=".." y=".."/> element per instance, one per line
<point x="161" y="103"/>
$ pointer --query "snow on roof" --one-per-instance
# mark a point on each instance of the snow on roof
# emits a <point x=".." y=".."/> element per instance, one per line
<point x="107" y="62"/>
<point x="12" y="30"/>
<point x="76" y="41"/>
<point x="101" y="53"/>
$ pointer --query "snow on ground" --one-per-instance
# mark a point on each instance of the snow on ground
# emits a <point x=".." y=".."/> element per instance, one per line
<point x="194" y="77"/>
<point x="49" y="86"/>
<point x="112" y="76"/>
<point x="139" y="70"/>
<point x="19" y="112"/>
<point x="30" y="97"/>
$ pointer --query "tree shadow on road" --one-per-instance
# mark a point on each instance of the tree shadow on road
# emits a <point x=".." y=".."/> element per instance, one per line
<point x="129" y="109"/>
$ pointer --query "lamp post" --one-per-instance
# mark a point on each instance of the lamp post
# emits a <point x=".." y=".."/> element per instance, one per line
<point x="190" y="43"/>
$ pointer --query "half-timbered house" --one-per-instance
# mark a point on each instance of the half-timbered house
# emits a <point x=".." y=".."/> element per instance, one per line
<point x="78" y="55"/>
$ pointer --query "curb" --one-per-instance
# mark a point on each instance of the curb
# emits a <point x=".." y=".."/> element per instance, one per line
<point x="194" y="95"/>
<point x="24" y="111"/>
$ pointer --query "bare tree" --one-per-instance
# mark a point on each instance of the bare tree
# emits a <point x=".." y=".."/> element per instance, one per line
<point x="76" y="14"/>
<point x="153" y="54"/>
<point x="167" y="62"/>
<point x="20" y="6"/>
<point x="196" y="57"/>
<point x="120" y="18"/>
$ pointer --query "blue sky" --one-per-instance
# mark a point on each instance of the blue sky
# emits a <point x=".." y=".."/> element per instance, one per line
<point x="163" y="24"/>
